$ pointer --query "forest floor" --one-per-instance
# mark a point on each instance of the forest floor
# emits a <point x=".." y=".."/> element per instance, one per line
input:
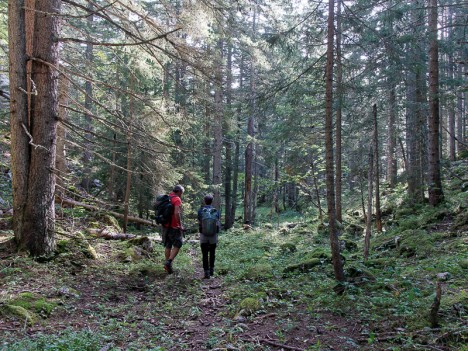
<point x="143" y="308"/>
<point x="273" y="288"/>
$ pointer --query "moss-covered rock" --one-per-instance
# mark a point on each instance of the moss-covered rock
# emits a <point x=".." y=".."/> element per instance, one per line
<point x="464" y="263"/>
<point x="461" y="221"/>
<point x="258" y="272"/>
<point x="250" y="304"/>
<point x="380" y="262"/>
<point x="111" y="221"/>
<point x="18" y="312"/>
<point x="33" y="303"/>
<point x="303" y="266"/>
<point x="288" y="248"/>
<point x="416" y="242"/>
<point x="348" y="245"/>
<point x="148" y="269"/>
<point x="143" y="241"/>
<point x="353" y="230"/>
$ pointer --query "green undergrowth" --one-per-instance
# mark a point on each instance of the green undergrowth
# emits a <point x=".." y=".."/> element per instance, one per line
<point x="288" y="266"/>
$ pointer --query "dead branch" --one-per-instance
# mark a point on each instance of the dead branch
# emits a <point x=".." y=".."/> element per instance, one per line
<point x="115" y="214"/>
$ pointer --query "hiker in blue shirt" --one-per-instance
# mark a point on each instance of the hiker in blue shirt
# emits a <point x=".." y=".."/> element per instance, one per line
<point x="209" y="226"/>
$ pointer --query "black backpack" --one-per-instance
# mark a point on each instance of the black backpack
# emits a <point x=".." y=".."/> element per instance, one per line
<point x="163" y="209"/>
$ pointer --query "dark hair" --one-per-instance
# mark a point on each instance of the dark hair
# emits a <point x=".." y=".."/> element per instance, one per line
<point x="208" y="199"/>
<point x="178" y="189"/>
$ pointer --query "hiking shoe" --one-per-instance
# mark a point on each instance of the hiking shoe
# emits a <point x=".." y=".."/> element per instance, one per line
<point x="168" y="267"/>
<point x="207" y="275"/>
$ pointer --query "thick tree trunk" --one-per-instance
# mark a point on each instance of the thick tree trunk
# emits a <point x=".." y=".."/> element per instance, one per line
<point x="435" y="183"/>
<point x="39" y="215"/>
<point x="334" y="242"/>
<point x="20" y="149"/>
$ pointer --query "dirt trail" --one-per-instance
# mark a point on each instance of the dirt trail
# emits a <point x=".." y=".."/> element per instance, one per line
<point x="278" y="330"/>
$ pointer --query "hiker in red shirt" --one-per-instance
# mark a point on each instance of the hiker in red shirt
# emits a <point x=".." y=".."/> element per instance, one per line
<point x="172" y="231"/>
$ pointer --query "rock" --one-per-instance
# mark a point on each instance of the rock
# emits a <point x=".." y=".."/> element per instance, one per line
<point x="144" y="242"/>
<point x="443" y="276"/>
<point x="239" y="317"/>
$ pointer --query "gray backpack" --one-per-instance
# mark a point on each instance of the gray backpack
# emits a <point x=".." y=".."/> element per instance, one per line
<point x="209" y="221"/>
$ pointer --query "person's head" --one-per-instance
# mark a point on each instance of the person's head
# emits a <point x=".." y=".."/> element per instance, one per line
<point x="178" y="189"/>
<point x="208" y="199"/>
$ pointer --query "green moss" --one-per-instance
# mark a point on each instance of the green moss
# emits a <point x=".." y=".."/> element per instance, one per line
<point x="464" y="263"/>
<point x="258" y="272"/>
<point x="109" y="220"/>
<point x="148" y="269"/>
<point x="303" y="266"/>
<point x="20" y="312"/>
<point x="380" y="262"/>
<point x="33" y="303"/>
<point x="461" y="221"/>
<point x="288" y="248"/>
<point x="250" y="304"/>
<point x="416" y="242"/>
<point x="90" y="252"/>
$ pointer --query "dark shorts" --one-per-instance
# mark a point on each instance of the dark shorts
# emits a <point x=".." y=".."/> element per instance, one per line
<point x="172" y="237"/>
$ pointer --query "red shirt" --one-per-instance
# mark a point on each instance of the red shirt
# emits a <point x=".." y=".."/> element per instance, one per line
<point x="176" y="201"/>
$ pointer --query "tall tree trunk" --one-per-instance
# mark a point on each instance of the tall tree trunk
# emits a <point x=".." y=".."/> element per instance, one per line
<point x="370" y="179"/>
<point x="392" y="136"/>
<point x="61" y="162"/>
<point x="249" y="151"/>
<point x="339" y="90"/>
<point x="218" y="127"/>
<point x="435" y="183"/>
<point x="89" y="58"/>
<point x="39" y="213"/>
<point x="228" y="219"/>
<point x="316" y="188"/>
<point x="378" y="214"/>
<point x="235" y="178"/>
<point x="20" y="150"/>
<point x="334" y="242"/>
<point x="129" y="158"/>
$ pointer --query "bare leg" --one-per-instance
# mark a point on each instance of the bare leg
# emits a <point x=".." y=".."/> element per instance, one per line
<point x="173" y="252"/>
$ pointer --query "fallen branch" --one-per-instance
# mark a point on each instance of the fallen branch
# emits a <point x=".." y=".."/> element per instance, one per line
<point x="274" y="343"/>
<point x="110" y="235"/>
<point x="115" y="214"/>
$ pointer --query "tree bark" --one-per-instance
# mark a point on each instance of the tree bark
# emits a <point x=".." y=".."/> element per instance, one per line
<point x="20" y="151"/>
<point x="435" y="183"/>
<point x="334" y="242"/>
<point x="228" y="219"/>
<point x="249" y="150"/>
<point x="339" y="89"/>
<point x="218" y="127"/>
<point x="370" y="179"/>
<point x="378" y="214"/>
<point x="88" y="104"/>
<point x="129" y="157"/>
<point x="392" y="137"/>
<point x="61" y="162"/>
<point x="39" y="216"/>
